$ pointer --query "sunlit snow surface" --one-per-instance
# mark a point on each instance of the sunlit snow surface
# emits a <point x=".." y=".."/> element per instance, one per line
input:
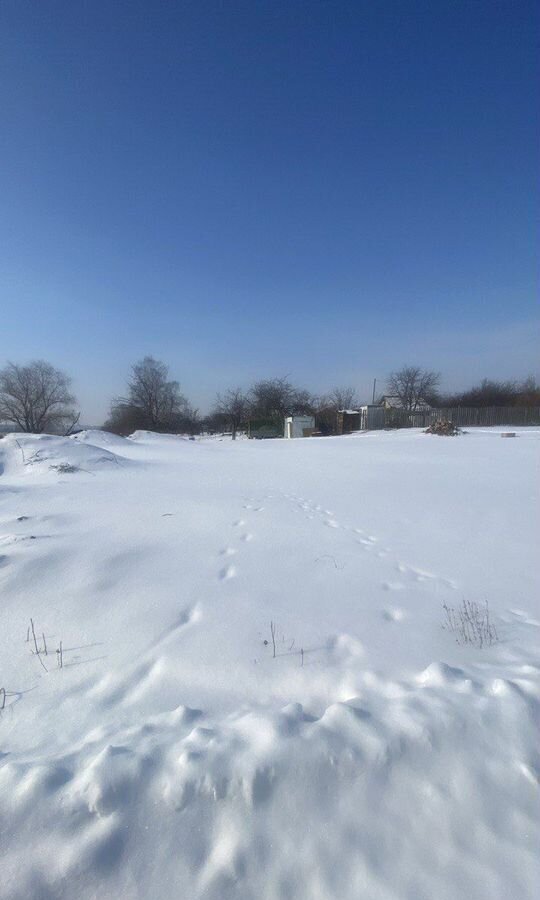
<point x="172" y="756"/>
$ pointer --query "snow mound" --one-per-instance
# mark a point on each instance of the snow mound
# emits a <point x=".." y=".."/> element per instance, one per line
<point x="40" y="453"/>
<point x="154" y="436"/>
<point x="99" y="438"/>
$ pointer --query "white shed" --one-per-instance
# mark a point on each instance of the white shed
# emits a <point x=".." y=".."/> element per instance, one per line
<point x="299" y="426"/>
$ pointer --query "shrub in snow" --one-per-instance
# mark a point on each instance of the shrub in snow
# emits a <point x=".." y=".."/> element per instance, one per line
<point x="470" y="623"/>
<point x="65" y="468"/>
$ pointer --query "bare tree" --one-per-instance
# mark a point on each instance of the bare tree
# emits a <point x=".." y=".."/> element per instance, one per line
<point x="343" y="398"/>
<point x="153" y="402"/>
<point x="233" y="406"/>
<point x="413" y="386"/>
<point x="37" y="398"/>
<point x="275" y="398"/>
<point x="150" y="391"/>
<point x="304" y="403"/>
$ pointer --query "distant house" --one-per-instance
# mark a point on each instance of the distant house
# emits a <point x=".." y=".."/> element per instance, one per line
<point x="391" y="402"/>
<point x="299" y="426"/>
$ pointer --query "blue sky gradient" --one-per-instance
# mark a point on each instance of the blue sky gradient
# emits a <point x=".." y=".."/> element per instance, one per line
<point x="247" y="189"/>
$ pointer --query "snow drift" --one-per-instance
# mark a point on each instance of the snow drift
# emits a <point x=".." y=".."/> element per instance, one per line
<point x="42" y="453"/>
<point x="257" y="698"/>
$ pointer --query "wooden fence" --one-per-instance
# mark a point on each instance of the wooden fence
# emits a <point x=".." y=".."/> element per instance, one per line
<point x="465" y="416"/>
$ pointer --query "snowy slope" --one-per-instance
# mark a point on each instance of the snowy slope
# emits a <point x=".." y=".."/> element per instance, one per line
<point x="174" y="756"/>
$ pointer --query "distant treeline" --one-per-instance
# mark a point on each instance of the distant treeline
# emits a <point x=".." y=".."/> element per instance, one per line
<point x="496" y="393"/>
<point x="36" y="397"/>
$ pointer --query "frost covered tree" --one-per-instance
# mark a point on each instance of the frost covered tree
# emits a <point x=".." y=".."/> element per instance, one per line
<point x="413" y="386"/>
<point x="37" y="398"/>
<point x="153" y="402"/>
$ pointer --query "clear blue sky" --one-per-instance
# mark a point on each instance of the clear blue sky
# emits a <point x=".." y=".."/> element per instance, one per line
<point x="252" y="188"/>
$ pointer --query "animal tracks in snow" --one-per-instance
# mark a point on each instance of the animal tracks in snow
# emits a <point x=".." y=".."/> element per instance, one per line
<point x="412" y="576"/>
<point x="369" y="543"/>
<point x="408" y="576"/>
<point x="420" y="576"/>
<point x="227" y="572"/>
<point x="394" y="614"/>
<point x="328" y="517"/>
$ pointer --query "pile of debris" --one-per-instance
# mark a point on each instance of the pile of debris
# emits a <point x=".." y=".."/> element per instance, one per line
<point x="443" y="427"/>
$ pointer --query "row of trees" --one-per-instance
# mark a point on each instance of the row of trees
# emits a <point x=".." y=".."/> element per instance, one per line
<point x="270" y="400"/>
<point x="37" y="398"/>
<point x="497" y="393"/>
<point x="410" y="388"/>
<point x="414" y="387"/>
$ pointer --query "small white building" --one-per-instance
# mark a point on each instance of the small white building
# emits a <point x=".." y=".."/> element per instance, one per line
<point x="299" y="426"/>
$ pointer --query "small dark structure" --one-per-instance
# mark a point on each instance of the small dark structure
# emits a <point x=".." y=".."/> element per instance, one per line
<point x="348" y="420"/>
<point x="264" y="428"/>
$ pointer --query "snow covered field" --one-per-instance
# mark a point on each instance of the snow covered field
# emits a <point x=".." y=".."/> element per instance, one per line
<point x="172" y="756"/>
